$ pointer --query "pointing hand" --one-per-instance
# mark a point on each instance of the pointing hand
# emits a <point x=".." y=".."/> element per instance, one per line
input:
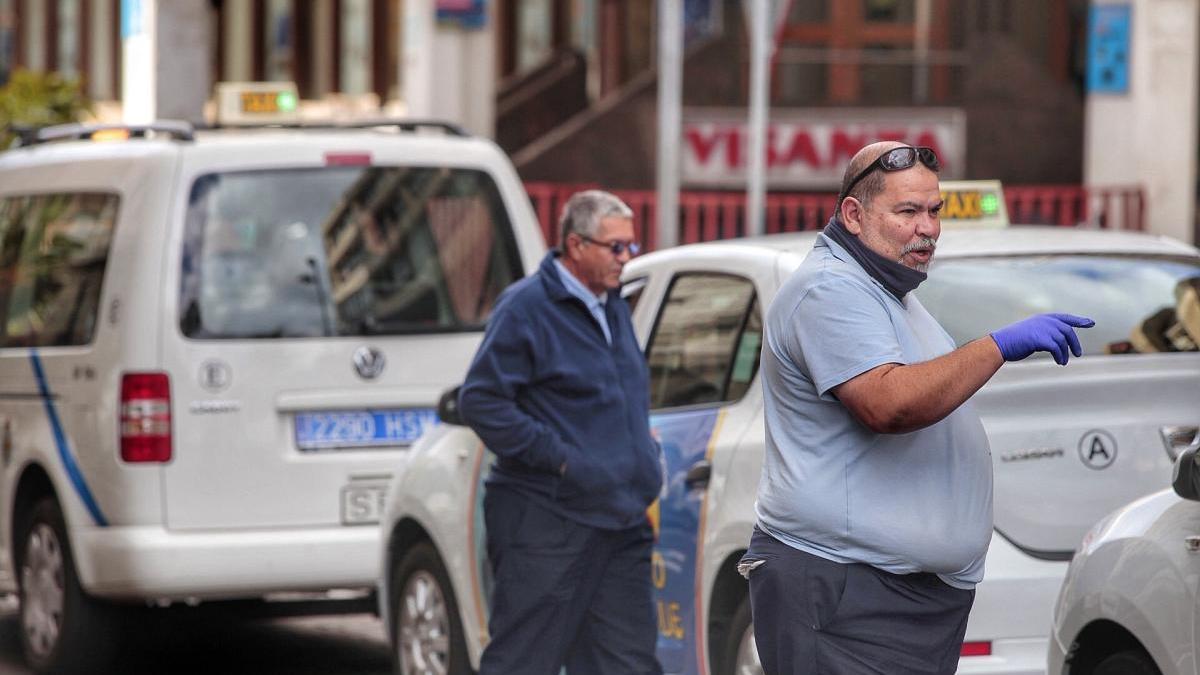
<point x="1054" y="333"/>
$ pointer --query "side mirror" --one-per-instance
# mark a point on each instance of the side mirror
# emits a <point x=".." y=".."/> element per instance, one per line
<point x="447" y="407"/>
<point x="1186" y="476"/>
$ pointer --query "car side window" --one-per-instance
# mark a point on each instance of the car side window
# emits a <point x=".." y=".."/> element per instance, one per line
<point x="53" y="251"/>
<point x="706" y="341"/>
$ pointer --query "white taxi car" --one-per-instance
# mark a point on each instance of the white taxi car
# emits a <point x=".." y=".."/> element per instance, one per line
<point x="1130" y="604"/>
<point x="1069" y="444"/>
<point x="214" y="347"/>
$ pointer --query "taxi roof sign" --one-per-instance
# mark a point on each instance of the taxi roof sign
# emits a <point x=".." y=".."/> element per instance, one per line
<point x="973" y="204"/>
<point x="246" y="103"/>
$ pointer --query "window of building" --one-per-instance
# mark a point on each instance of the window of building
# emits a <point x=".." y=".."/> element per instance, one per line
<point x="53" y="251"/>
<point x="865" y="53"/>
<point x="8" y="39"/>
<point x="535" y="33"/>
<point x="354" y="61"/>
<point x="69" y="28"/>
<point x="279" y="41"/>
<point x="706" y="342"/>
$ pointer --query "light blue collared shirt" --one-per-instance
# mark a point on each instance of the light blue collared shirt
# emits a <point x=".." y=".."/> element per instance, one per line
<point x="595" y="303"/>
<point x="913" y="502"/>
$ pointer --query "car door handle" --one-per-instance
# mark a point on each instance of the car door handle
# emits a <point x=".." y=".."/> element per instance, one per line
<point x="698" y="475"/>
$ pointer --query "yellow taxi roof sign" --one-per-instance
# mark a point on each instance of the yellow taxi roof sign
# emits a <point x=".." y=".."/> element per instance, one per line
<point x="249" y="103"/>
<point x="973" y="204"/>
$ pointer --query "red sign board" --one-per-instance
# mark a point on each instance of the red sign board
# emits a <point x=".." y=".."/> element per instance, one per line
<point x="808" y="149"/>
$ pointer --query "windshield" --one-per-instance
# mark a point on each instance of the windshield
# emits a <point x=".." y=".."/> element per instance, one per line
<point x="344" y="251"/>
<point x="1132" y="298"/>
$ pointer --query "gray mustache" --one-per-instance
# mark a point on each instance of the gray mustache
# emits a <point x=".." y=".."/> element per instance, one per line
<point x="924" y="242"/>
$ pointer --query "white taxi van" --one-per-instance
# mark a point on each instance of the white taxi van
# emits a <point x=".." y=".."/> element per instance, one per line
<point x="1069" y="444"/>
<point x="214" y="347"/>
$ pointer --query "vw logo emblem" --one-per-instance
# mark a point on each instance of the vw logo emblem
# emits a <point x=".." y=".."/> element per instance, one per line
<point x="1097" y="449"/>
<point x="369" y="362"/>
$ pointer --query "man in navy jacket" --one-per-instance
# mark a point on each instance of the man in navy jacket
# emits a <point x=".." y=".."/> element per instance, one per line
<point x="559" y="392"/>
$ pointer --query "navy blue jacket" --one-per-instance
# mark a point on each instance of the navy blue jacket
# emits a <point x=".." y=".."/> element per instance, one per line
<point x="546" y="389"/>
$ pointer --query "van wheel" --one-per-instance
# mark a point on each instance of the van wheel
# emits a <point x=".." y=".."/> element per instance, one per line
<point x="1131" y="662"/>
<point x="427" y="634"/>
<point x="62" y="629"/>
<point x="741" y="652"/>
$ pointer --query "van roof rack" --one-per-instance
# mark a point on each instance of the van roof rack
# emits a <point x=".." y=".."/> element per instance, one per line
<point x="448" y="128"/>
<point x="176" y="129"/>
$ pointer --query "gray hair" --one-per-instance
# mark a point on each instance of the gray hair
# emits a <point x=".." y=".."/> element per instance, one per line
<point x="584" y="210"/>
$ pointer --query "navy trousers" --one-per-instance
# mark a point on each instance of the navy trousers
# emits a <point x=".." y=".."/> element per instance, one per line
<point x="815" y="616"/>
<point x="566" y="594"/>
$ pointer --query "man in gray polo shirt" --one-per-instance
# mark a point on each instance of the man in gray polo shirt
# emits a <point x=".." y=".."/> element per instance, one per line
<point x="875" y="503"/>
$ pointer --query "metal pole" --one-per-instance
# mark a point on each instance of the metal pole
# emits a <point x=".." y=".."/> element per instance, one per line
<point x="670" y="94"/>
<point x="756" y="170"/>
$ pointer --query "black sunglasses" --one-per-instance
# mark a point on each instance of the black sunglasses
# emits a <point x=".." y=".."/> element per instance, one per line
<point x="898" y="159"/>
<point x="617" y="247"/>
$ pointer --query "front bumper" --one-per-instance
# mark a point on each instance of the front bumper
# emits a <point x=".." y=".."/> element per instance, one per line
<point x="151" y="563"/>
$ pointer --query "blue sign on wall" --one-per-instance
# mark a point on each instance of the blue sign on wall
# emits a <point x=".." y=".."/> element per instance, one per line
<point x="1108" y="49"/>
<point x="464" y="13"/>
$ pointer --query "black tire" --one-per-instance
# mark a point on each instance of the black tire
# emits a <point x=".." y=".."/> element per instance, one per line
<point x="733" y="661"/>
<point x="72" y="633"/>
<point x="1131" y="662"/>
<point x="433" y="643"/>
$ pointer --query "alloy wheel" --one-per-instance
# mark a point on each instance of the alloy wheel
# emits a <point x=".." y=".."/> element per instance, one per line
<point x="424" y="627"/>
<point x="43" y="589"/>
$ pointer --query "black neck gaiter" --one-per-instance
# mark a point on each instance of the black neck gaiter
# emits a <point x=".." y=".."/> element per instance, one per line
<point x="895" y="277"/>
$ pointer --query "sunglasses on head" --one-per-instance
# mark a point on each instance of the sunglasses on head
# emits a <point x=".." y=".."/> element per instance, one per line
<point x="898" y="159"/>
<point x="617" y="247"/>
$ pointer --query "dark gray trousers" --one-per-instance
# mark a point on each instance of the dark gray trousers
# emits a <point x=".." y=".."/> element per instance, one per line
<point x="566" y="594"/>
<point x="815" y="616"/>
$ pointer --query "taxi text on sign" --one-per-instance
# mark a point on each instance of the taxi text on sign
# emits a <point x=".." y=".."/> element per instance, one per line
<point x="808" y="149"/>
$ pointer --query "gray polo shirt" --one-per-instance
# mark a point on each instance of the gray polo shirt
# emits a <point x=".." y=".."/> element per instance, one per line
<point x="915" y="502"/>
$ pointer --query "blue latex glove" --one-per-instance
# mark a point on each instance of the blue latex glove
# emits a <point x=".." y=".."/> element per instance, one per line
<point x="1053" y="333"/>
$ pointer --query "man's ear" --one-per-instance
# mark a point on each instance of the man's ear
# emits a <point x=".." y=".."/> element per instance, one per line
<point x="570" y="246"/>
<point x="852" y="215"/>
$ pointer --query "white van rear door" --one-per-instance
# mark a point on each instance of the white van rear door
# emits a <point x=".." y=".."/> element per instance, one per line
<point x="317" y="311"/>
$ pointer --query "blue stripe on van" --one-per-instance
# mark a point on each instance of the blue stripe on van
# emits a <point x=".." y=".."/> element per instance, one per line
<point x="60" y="440"/>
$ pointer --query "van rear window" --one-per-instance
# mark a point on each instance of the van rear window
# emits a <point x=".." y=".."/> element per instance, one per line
<point x="344" y="251"/>
<point x="53" y="250"/>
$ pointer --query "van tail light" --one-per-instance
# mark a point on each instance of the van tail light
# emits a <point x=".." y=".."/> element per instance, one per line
<point x="976" y="649"/>
<point x="145" y="417"/>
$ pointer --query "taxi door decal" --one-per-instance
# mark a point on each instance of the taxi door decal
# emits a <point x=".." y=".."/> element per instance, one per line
<point x="687" y="437"/>
<point x="60" y="442"/>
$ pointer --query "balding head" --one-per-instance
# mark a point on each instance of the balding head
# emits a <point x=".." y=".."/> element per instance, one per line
<point x="871" y="184"/>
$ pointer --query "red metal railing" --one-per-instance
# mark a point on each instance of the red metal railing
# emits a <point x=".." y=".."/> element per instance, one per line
<point x="705" y="216"/>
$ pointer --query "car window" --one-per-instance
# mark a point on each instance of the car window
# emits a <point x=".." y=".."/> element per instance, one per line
<point x="53" y="251"/>
<point x="1132" y="298"/>
<point x="632" y="292"/>
<point x="344" y="251"/>
<point x="705" y="343"/>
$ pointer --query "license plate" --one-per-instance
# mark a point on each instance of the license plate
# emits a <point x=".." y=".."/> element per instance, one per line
<point x="362" y="428"/>
<point x="363" y="504"/>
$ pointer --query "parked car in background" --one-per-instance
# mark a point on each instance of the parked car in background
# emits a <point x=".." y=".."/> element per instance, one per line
<point x="1068" y="444"/>
<point x="216" y="345"/>
<point x="1130" y="603"/>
